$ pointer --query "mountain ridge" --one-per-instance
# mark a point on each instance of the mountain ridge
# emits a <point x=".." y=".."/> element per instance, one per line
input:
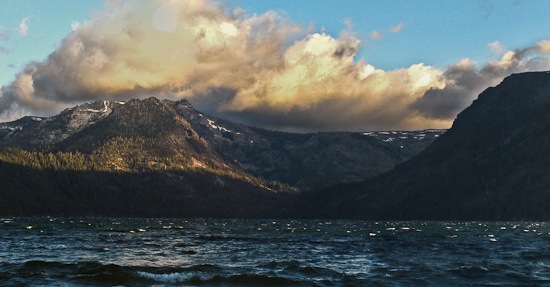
<point x="186" y="158"/>
<point x="279" y="156"/>
<point x="490" y="165"/>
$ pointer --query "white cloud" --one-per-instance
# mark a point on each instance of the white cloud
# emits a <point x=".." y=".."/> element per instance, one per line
<point x="349" y="24"/>
<point x="397" y="28"/>
<point x="165" y="18"/>
<point x="544" y="46"/>
<point x="376" y="35"/>
<point x="496" y="48"/>
<point x="75" y="25"/>
<point x="24" y="27"/>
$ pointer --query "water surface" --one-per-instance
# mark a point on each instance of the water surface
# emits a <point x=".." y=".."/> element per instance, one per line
<point x="177" y="252"/>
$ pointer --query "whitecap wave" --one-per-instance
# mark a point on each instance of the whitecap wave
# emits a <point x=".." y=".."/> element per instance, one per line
<point x="175" y="277"/>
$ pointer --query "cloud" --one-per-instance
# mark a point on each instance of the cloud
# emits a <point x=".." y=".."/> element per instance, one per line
<point x="261" y="70"/>
<point x="165" y="18"/>
<point x="464" y="81"/>
<point x="543" y="46"/>
<point x="121" y="54"/>
<point x="376" y="35"/>
<point x="4" y="50"/>
<point x="349" y="24"/>
<point x="24" y="27"/>
<point x="75" y="25"/>
<point x="496" y="48"/>
<point x="397" y="28"/>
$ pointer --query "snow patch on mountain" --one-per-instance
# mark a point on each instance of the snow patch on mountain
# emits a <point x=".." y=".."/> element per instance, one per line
<point x="15" y="128"/>
<point x="405" y="136"/>
<point x="211" y="123"/>
<point x="78" y="118"/>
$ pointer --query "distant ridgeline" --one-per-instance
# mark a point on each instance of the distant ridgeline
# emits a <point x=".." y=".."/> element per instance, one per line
<point x="159" y="158"/>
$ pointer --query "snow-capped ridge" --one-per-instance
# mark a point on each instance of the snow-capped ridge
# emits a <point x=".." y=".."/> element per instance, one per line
<point x="104" y="110"/>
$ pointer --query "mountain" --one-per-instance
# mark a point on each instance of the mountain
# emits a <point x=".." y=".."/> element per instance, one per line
<point x="138" y="158"/>
<point x="163" y="158"/>
<point x="307" y="160"/>
<point x="493" y="164"/>
<point x="304" y="160"/>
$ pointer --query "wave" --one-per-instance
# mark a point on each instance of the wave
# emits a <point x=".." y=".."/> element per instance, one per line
<point x="81" y="272"/>
<point x="235" y="279"/>
<point x="233" y="238"/>
<point x="297" y="269"/>
<point x="96" y="273"/>
<point x="252" y="239"/>
<point x="175" y="277"/>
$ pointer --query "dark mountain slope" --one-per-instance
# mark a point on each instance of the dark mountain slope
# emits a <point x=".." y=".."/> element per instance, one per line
<point x="307" y="160"/>
<point x="494" y="163"/>
<point x="28" y="191"/>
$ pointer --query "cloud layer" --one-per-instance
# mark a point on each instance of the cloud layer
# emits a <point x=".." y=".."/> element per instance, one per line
<point x="257" y="69"/>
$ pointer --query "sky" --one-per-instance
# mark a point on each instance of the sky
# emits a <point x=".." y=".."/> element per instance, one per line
<point x="305" y="65"/>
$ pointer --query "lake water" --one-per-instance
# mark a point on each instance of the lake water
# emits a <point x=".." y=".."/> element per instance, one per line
<point x="176" y="252"/>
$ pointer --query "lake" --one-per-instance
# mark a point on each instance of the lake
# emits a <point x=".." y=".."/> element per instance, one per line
<point x="179" y="252"/>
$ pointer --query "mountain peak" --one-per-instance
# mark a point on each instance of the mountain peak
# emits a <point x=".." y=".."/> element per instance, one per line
<point x="514" y="99"/>
<point x="532" y="77"/>
<point x="526" y="85"/>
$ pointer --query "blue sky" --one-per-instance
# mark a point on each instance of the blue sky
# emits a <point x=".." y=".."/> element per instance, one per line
<point x="435" y="32"/>
<point x="48" y="22"/>
<point x="376" y="64"/>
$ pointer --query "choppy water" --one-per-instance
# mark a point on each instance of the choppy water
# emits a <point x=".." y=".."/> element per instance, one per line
<point x="174" y="252"/>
